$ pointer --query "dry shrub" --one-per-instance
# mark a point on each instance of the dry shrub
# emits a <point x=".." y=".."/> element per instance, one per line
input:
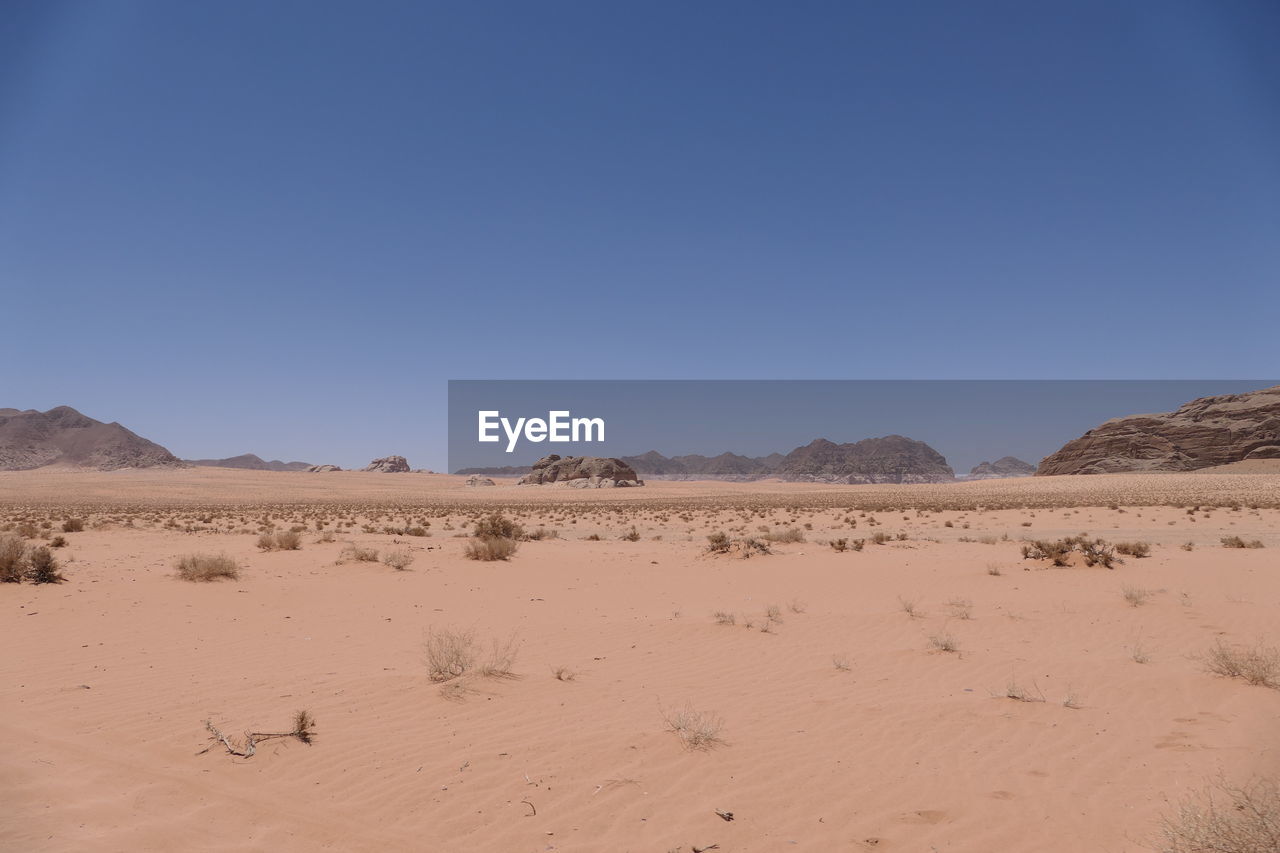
<point x="206" y="567"/>
<point x="352" y="553"/>
<point x="450" y="654"/>
<point x="284" y="540"/>
<point x="724" y="617"/>
<point x="696" y="729"/>
<point x="453" y="654"/>
<point x="1043" y="549"/>
<point x="1259" y="665"/>
<point x="490" y="549"/>
<point x="944" y="642"/>
<point x="1134" y="549"/>
<point x="497" y="526"/>
<point x="743" y="548"/>
<point x="1237" y="542"/>
<point x="398" y="560"/>
<point x="11" y="564"/>
<point x="42" y="566"/>
<point x="718" y="542"/>
<point x="839" y="544"/>
<point x="1226" y="818"/>
<point x="1136" y="596"/>
<point x="73" y="525"/>
<point x="304" y="726"/>
<point x="502" y="658"/>
<point x="791" y="534"/>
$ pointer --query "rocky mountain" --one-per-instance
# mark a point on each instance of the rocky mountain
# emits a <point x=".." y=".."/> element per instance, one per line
<point x="64" y="437"/>
<point x="891" y="459"/>
<point x="1203" y="433"/>
<point x="581" y="472"/>
<point x="250" y="462"/>
<point x="1002" y="468"/>
<point x="389" y="465"/>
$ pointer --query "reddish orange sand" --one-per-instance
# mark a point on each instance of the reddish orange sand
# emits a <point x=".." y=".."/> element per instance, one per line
<point x="107" y="679"/>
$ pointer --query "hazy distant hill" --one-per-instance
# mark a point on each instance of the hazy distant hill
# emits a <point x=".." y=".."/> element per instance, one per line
<point x="891" y="459"/>
<point x="251" y="462"/>
<point x="62" y="436"/>
<point x="1002" y="468"/>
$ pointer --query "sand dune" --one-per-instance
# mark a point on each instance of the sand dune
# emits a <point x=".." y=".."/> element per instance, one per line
<point x="110" y="675"/>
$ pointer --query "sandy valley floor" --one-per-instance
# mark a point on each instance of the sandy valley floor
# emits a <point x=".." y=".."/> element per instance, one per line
<point x="843" y="724"/>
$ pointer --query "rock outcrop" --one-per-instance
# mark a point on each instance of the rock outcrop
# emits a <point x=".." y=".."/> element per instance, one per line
<point x="1203" y="433"/>
<point x="581" y="472"/>
<point x="389" y="465"/>
<point x="64" y="437"/>
<point x="890" y="459"/>
<point x="322" y="469"/>
<point x="1002" y="468"/>
<point x="251" y="462"/>
<point x="476" y="480"/>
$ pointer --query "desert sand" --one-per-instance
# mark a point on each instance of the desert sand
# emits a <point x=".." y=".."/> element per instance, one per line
<point x="855" y="700"/>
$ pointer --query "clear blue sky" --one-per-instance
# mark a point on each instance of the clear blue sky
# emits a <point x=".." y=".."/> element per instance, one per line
<point x="280" y="227"/>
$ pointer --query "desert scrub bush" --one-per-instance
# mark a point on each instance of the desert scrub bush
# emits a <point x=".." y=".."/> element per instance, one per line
<point x="352" y="553"/>
<point x="791" y="534"/>
<point x="839" y="544"/>
<point x="73" y="525"/>
<point x="1097" y="552"/>
<point x="283" y="540"/>
<point x="1136" y="596"/>
<point x="12" y="549"/>
<point x="206" y="567"/>
<point x="698" y="730"/>
<point x="450" y="654"/>
<point x="542" y="533"/>
<point x="42" y="566"/>
<point x="1044" y="549"/>
<point x="497" y="526"/>
<point x="490" y="549"/>
<point x="724" y="617"/>
<point x="944" y="641"/>
<point x="1237" y="542"/>
<point x="1259" y="665"/>
<point x="631" y="535"/>
<point x="453" y="654"/>
<point x="1134" y="549"/>
<point x="398" y="560"/>
<point x="718" y="542"/>
<point x="1226" y="818"/>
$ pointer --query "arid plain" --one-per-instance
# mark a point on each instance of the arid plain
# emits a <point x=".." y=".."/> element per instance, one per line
<point x="894" y="675"/>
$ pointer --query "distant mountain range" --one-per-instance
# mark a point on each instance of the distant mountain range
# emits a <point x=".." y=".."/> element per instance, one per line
<point x="890" y="459"/>
<point x="250" y="462"/>
<point x="1203" y="433"/>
